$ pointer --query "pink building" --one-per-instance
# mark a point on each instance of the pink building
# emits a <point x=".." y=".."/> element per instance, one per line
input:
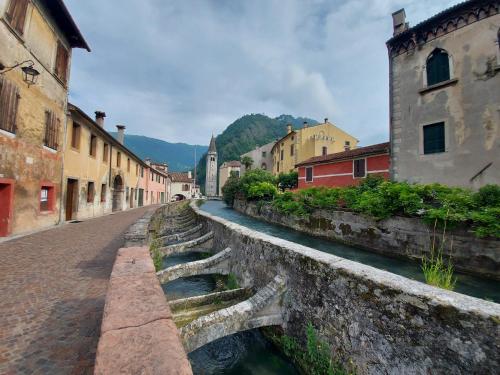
<point x="156" y="183"/>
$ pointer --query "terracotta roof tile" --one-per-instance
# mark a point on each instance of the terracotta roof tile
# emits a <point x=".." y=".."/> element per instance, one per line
<point x="180" y="177"/>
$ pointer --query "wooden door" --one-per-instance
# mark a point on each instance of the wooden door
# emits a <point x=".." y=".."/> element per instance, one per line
<point x="6" y="197"/>
<point x="70" y="198"/>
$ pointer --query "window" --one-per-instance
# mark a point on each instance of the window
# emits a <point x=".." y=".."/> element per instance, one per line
<point x="103" y="193"/>
<point x="118" y="159"/>
<point x="90" y="192"/>
<point x="212" y="158"/>
<point x="128" y="164"/>
<point x="142" y="171"/>
<point x="51" y="136"/>
<point x="263" y="166"/>
<point x="282" y="154"/>
<point x="264" y="154"/>
<point x="359" y="168"/>
<point x="278" y="166"/>
<point x="16" y="14"/>
<point x="93" y="145"/>
<point x="105" y="153"/>
<point x="46" y="198"/>
<point x="9" y="102"/>
<point x="291" y="150"/>
<point x="75" y="136"/>
<point x="309" y="174"/>
<point x="152" y="176"/>
<point x="434" y="138"/>
<point x="437" y="67"/>
<point x="324" y="150"/>
<point x="185" y="187"/>
<point x="137" y="169"/>
<point x="61" y="68"/>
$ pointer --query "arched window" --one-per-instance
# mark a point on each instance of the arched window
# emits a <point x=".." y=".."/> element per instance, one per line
<point x="438" y="67"/>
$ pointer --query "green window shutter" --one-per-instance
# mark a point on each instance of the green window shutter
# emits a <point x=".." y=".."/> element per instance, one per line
<point x="438" y="67"/>
<point x="434" y="138"/>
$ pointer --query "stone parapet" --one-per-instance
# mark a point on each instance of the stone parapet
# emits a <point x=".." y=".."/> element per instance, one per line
<point x="138" y="335"/>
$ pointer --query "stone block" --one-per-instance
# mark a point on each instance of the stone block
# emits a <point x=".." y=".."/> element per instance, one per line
<point x="132" y="261"/>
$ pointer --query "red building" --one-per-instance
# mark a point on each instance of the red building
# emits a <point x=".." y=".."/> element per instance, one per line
<point x="345" y="168"/>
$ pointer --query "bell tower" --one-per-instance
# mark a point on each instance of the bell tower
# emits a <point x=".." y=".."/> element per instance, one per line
<point x="211" y="177"/>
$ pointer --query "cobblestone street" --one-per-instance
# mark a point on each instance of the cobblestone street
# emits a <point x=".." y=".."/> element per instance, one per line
<point x="53" y="285"/>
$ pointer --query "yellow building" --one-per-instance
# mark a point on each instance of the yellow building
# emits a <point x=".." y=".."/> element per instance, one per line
<point x="33" y="113"/>
<point x="302" y="144"/>
<point x="100" y="174"/>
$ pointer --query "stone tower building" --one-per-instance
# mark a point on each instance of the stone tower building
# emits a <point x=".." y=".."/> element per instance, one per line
<point x="211" y="178"/>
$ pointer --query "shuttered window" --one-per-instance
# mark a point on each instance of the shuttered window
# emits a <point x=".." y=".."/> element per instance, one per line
<point x="9" y="102"/>
<point x="438" y="67"/>
<point x="51" y="137"/>
<point x="61" y="69"/>
<point x="90" y="192"/>
<point x="309" y="174"/>
<point x="16" y="14"/>
<point x="93" y="145"/>
<point x="75" y="136"/>
<point x="434" y="141"/>
<point x="359" y="168"/>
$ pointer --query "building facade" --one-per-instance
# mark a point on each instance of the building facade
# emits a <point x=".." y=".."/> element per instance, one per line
<point x="211" y="176"/>
<point x="157" y="182"/>
<point x="302" y="144"/>
<point x="225" y="171"/>
<point x="261" y="156"/>
<point x="445" y="96"/>
<point x="182" y="185"/>
<point x="345" y="168"/>
<point x="39" y="34"/>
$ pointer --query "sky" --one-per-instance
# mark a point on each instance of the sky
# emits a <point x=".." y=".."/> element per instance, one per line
<point x="180" y="70"/>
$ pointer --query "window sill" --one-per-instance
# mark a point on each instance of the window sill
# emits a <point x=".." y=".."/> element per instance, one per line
<point x="438" y="86"/>
<point x="49" y="149"/>
<point x="14" y="31"/>
<point x="47" y="212"/>
<point x="7" y="133"/>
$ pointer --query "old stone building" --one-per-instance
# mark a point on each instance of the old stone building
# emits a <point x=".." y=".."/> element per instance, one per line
<point x="302" y="144"/>
<point x="261" y="156"/>
<point x="182" y="185"/>
<point x="226" y="169"/>
<point x="445" y="96"/>
<point x="39" y="35"/>
<point x="211" y="176"/>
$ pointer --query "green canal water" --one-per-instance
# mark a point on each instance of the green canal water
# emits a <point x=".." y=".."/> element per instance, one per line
<point x="466" y="284"/>
<point x="245" y="353"/>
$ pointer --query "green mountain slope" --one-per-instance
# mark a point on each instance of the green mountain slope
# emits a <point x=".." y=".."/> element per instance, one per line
<point x="245" y="134"/>
<point x="178" y="156"/>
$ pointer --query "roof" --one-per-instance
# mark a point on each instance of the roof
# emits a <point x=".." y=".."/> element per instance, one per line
<point x="104" y="133"/>
<point x="380" y="148"/>
<point x="180" y="177"/>
<point x="212" y="147"/>
<point x="232" y="163"/>
<point x="419" y="32"/>
<point x="61" y="16"/>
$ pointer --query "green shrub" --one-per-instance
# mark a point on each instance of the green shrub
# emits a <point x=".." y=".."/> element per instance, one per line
<point x="232" y="282"/>
<point x="488" y="196"/>
<point x="486" y="222"/>
<point x="254" y="177"/>
<point x="230" y="190"/>
<point x="262" y="190"/>
<point x="288" y="180"/>
<point x="156" y="254"/>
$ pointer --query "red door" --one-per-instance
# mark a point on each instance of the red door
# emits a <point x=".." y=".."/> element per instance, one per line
<point x="6" y="202"/>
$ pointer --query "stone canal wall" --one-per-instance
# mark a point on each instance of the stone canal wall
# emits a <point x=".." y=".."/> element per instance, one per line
<point x="380" y="322"/>
<point x="396" y="236"/>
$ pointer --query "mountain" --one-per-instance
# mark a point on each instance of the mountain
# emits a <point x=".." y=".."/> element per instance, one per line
<point x="178" y="156"/>
<point x="246" y="133"/>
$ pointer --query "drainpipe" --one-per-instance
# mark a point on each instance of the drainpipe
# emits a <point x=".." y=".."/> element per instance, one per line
<point x="63" y="150"/>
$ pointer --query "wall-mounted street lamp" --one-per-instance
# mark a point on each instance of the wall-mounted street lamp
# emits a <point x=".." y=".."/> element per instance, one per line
<point x="30" y="74"/>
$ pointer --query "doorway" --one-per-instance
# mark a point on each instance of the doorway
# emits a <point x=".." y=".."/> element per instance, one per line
<point x="117" y="193"/>
<point x="71" y="198"/>
<point x="132" y="197"/>
<point x="140" y="201"/>
<point x="6" y="202"/>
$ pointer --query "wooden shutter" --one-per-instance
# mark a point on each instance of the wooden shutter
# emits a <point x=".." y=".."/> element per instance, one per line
<point x="16" y="14"/>
<point x="309" y="174"/>
<point x="62" y="56"/>
<point x="434" y="138"/>
<point x="52" y="123"/>
<point x="9" y="103"/>
<point x="359" y="168"/>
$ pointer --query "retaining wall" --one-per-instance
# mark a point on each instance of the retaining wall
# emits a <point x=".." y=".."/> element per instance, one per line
<point x="380" y="322"/>
<point x="397" y="236"/>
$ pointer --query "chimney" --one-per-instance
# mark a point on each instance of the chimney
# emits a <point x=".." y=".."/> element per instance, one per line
<point x="147" y="160"/>
<point x="99" y="118"/>
<point x="288" y="128"/>
<point x="347" y="145"/>
<point x="189" y="175"/>
<point x="399" y="23"/>
<point x="326" y="120"/>
<point x="121" y="133"/>
<point x="306" y="125"/>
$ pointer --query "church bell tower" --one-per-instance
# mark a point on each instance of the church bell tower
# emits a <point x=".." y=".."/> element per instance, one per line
<point x="211" y="178"/>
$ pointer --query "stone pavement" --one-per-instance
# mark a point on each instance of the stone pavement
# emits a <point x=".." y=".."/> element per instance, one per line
<point x="53" y="285"/>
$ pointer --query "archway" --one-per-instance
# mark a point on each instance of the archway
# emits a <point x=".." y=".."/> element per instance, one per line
<point x="117" y="193"/>
<point x="179" y="197"/>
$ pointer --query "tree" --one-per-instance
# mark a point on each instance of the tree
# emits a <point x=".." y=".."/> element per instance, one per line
<point x="288" y="180"/>
<point x="230" y="189"/>
<point x="247" y="161"/>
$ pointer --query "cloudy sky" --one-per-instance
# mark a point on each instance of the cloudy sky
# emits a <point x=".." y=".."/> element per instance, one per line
<point x="179" y="70"/>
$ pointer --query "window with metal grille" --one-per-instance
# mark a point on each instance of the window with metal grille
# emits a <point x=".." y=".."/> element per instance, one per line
<point x="309" y="174"/>
<point x="93" y="145"/>
<point x="62" y="58"/>
<point x="438" y="67"/>
<point x="75" y="136"/>
<point x="103" y="193"/>
<point x="51" y="137"/>
<point x="434" y="141"/>
<point x="90" y="192"/>
<point x="16" y="14"/>
<point x="359" y="168"/>
<point x="9" y="103"/>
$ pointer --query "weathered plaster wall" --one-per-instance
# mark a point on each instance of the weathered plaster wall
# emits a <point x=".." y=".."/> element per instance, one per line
<point x="396" y="236"/>
<point x="470" y="109"/>
<point x="384" y="323"/>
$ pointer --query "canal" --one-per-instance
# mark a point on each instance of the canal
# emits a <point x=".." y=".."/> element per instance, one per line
<point x="466" y="284"/>
<point x="245" y="353"/>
